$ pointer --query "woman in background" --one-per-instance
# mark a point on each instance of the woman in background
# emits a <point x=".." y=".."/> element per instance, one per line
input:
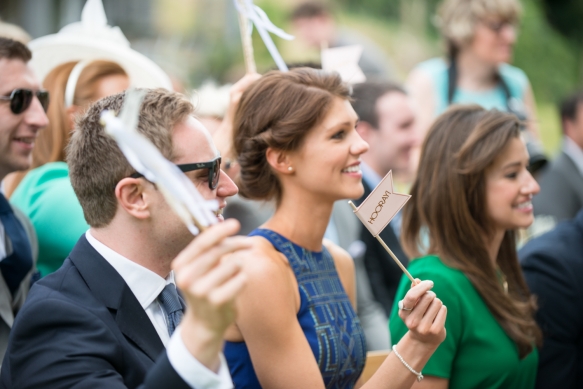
<point x="44" y="193"/>
<point x="472" y="192"/>
<point x="296" y="143"/>
<point x="480" y="36"/>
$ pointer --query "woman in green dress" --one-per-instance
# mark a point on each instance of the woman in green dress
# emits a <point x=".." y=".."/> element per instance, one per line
<point x="471" y="194"/>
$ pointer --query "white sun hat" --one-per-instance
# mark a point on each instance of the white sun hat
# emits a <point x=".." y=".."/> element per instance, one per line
<point x="93" y="39"/>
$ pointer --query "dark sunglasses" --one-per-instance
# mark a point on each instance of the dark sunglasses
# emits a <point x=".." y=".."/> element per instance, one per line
<point x="20" y="99"/>
<point x="213" y="166"/>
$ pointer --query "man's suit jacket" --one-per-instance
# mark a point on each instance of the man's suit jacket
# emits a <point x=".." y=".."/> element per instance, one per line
<point x="10" y="305"/>
<point x="561" y="194"/>
<point x="82" y="327"/>
<point x="383" y="272"/>
<point x="553" y="268"/>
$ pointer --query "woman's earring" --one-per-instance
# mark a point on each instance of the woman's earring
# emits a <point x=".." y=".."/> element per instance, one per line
<point x="289" y="168"/>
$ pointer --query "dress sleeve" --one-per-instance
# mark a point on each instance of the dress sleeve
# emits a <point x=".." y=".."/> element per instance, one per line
<point x="447" y="289"/>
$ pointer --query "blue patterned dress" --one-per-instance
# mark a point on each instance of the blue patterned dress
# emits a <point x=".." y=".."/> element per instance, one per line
<point x="326" y="316"/>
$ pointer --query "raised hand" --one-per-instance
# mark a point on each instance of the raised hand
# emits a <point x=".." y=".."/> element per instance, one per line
<point x="209" y="275"/>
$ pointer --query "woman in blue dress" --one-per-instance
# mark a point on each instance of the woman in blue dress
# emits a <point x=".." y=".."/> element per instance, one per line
<point x="295" y="138"/>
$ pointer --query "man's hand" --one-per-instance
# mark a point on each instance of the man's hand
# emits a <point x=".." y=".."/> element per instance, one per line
<point x="210" y="279"/>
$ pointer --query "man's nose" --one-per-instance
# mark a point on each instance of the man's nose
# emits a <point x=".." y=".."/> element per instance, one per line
<point x="35" y="115"/>
<point x="226" y="186"/>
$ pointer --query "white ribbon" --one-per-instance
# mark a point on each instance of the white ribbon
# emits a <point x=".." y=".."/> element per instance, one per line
<point x="179" y="192"/>
<point x="264" y="26"/>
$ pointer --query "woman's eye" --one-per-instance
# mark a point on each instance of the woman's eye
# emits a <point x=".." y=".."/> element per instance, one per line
<point x="512" y="175"/>
<point x="339" y="135"/>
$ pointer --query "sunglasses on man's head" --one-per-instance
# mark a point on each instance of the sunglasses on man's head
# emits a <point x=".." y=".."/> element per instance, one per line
<point x="213" y="166"/>
<point x="20" y="99"/>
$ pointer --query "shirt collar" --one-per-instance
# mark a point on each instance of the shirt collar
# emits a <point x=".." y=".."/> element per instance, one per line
<point x="369" y="176"/>
<point x="574" y="152"/>
<point x="144" y="283"/>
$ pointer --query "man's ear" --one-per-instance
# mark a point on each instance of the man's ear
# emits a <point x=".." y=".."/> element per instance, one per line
<point x="133" y="196"/>
<point x="365" y="130"/>
<point x="279" y="161"/>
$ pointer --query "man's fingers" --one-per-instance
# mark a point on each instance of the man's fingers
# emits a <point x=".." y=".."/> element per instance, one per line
<point x="205" y="240"/>
<point x="191" y="272"/>
<point x="214" y="278"/>
<point x="229" y="290"/>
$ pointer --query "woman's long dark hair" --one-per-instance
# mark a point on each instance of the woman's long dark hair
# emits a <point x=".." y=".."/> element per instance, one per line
<point x="448" y="201"/>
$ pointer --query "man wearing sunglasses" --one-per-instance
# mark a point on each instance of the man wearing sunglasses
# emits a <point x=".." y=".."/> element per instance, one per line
<point x="111" y="317"/>
<point x="22" y="115"/>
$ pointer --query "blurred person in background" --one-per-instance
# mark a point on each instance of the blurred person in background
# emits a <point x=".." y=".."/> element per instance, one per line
<point x="561" y="183"/>
<point x="472" y="192"/>
<point x="45" y="193"/>
<point x="211" y="103"/>
<point x="296" y="143"/>
<point x="83" y="62"/>
<point x="387" y="124"/>
<point x="314" y="24"/>
<point x="22" y="115"/>
<point x="553" y="268"/>
<point x="480" y="36"/>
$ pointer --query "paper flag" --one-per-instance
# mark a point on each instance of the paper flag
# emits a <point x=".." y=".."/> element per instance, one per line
<point x="344" y="60"/>
<point x="381" y="206"/>
<point x="180" y="193"/>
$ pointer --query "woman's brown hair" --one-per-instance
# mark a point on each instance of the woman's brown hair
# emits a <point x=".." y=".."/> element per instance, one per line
<point x="448" y="207"/>
<point x="51" y="141"/>
<point x="278" y="111"/>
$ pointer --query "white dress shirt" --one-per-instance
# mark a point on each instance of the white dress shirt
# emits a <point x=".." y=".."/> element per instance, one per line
<point x="146" y="286"/>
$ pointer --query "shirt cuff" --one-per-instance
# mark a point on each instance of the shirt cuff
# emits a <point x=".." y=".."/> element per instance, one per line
<point x="194" y="373"/>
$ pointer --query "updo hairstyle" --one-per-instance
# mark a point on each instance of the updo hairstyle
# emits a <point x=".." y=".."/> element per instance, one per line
<point x="278" y="111"/>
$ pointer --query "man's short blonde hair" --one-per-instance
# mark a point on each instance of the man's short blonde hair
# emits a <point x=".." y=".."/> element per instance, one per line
<point x="96" y="164"/>
<point x="457" y="19"/>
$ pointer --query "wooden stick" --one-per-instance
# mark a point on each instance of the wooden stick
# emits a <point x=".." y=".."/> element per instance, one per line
<point x="247" y="42"/>
<point x="382" y="242"/>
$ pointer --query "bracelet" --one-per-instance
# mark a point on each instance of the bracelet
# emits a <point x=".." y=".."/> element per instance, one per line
<point x="419" y="375"/>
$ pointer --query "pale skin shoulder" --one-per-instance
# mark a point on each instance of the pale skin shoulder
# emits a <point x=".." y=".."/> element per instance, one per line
<point x="267" y="321"/>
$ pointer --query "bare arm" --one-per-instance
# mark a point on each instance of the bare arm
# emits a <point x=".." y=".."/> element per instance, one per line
<point x="426" y="323"/>
<point x="281" y="355"/>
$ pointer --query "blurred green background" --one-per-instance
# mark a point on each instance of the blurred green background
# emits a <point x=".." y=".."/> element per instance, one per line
<point x="196" y="40"/>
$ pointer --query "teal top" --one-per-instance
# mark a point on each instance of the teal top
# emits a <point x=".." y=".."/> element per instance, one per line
<point x="46" y="196"/>
<point x="515" y="78"/>
<point x="476" y="352"/>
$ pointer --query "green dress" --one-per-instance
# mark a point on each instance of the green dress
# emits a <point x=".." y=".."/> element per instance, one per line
<point x="46" y="196"/>
<point x="476" y="353"/>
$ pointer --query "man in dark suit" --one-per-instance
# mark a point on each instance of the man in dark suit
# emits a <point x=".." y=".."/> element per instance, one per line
<point x="21" y="117"/>
<point x="109" y="317"/>
<point x="553" y="268"/>
<point x="387" y="123"/>
<point x="561" y="183"/>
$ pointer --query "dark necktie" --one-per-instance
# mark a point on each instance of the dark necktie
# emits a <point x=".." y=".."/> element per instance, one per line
<point x="172" y="305"/>
<point x="18" y="263"/>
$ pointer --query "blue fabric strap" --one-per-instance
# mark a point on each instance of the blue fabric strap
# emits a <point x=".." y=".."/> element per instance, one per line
<point x="172" y="306"/>
<point x="17" y="263"/>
